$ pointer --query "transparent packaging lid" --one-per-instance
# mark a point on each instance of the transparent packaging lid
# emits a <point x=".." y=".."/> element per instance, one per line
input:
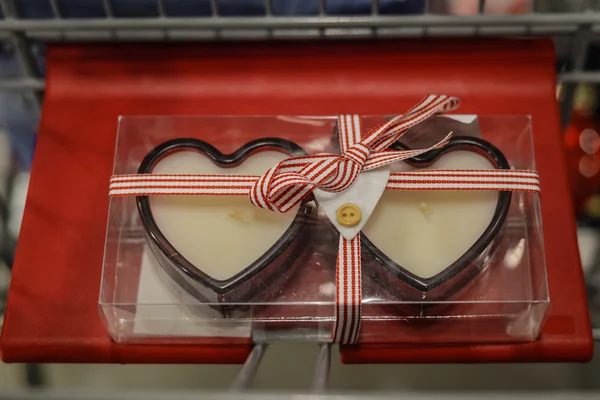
<point x="437" y="266"/>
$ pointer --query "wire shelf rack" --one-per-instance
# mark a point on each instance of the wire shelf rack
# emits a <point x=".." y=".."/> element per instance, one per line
<point x="574" y="29"/>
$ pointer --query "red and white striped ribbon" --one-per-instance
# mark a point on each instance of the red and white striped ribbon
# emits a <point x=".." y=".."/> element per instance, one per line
<point x="286" y="184"/>
<point x="240" y="185"/>
<point x="181" y="185"/>
<point x="495" y="180"/>
<point x="348" y="292"/>
<point x="348" y="270"/>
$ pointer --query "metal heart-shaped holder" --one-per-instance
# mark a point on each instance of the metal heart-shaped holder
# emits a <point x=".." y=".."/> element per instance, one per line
<point x="407" y="286"/>
<point x="270" y="269"/>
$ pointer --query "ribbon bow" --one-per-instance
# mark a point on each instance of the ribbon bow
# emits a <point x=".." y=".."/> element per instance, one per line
<point x="286" y="184"/>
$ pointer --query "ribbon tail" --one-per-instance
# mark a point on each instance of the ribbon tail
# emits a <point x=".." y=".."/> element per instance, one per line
<point x="348" y="292"/>
<point x="381" y="159"/>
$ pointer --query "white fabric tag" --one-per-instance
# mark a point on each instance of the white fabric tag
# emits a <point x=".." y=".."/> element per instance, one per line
<point x="365" y="193"/>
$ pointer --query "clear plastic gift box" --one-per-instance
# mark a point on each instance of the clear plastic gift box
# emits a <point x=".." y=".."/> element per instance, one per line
<point x="437" y="266"/>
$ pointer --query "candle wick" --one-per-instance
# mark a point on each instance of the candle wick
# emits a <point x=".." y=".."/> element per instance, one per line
<point x="425" y="209"/>
<point x="240" y="215"/>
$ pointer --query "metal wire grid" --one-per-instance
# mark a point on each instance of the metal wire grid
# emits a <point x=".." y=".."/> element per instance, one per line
<point x="250" y="367"/>
<point x="580" y="28"/>
<point x="321" y="370"/>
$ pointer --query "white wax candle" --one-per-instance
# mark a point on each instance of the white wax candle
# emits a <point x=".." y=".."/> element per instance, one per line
<point x="219" y="235"/>
<point x="425" y="232"/>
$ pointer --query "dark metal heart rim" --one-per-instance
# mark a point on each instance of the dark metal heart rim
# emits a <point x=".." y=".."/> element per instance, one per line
<point x="233" y="159"/>
<point x="225" y="161"/>
<point x="487" y="237"/>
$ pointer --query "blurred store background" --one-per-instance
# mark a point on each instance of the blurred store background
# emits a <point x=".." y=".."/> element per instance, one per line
<point x="19" y="117"/>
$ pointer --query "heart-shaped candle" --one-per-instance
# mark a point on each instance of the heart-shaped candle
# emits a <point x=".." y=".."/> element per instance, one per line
<point x="435" y="241"/>
<point x="220" y="249"/>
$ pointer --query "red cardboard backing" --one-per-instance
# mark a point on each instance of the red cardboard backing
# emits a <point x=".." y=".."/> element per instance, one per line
<point x="52" y="313"/>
